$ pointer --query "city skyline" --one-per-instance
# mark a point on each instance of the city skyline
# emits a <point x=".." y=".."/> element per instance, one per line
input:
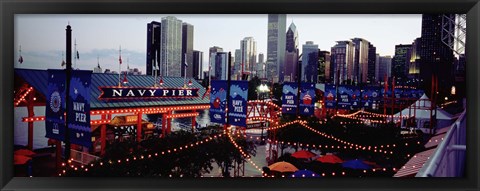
<point x="101" y="35"/>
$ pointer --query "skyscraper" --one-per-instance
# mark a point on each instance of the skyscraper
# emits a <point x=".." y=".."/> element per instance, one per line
<point x="197" y="65"/>
<point x="377" y="68"/>
<point x="413" y="56"/>
<point x="400" y="63"/>
<point x="435" y="56"/>
<point x="372" y="58"/>
<point x="261" y="66"/>
<point x="342" y="56"/>
<point x="187" y="48"/>
<point x="291" y="54"/>
<point x="326" y="75"/>
<point x="309" y="62"/>
<point x="171" y="46"/>
<point x="384" y="67"/>
<point x="248" y="48"/>
<point x="360" y="63"/>
<point x="221" y="65"/>
<point x="237" y="63"/>
<point x="212" y="52"/>
<point x="153" y="47"/>
<point x="276" y="46"/>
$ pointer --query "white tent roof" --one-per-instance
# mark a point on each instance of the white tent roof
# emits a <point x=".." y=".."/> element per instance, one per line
<point x="422" y="110"/>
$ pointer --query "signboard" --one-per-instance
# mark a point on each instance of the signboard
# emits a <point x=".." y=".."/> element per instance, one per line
<point x="356" y="97"/>
<point x="218" y="101"/>
<point x="114" y="92"/>
<point x="330" y="96"/>
<point x="345" y="92"/>
<point x="79" y="108"/>
<point x="55" y="105"/>
<point x="307" y="98"/>
<point x="289" y="98"/>
<point x="371" y="97"/>
<point x="237" y="103"/>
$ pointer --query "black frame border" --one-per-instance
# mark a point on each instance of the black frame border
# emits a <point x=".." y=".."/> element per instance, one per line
<point x="11" y="7"/>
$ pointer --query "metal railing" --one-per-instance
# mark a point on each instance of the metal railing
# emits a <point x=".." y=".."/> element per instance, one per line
<point x="449" y="159"/>
<point x="81" y="157"/>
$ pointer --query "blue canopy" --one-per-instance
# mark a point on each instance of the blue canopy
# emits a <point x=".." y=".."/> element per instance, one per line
<point x="356" y="164"/>
<point x="305" y="173"/>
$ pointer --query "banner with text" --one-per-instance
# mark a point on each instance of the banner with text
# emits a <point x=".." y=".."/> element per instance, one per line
<point x="79" y="108"/>
<point x="330" y="96"/>
<point x="356" y="97"/>
<point x="218" y="101"/>
<point x="289" y="98"/>
<point x="237" y="106"/>
<point x="116" y="93"/>
<point x="55" y="105"/>
<point x="307" y="98"/>
<point x="345" y="93"/>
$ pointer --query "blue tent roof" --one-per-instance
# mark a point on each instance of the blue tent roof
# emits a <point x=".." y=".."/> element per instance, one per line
<point x="38" y="79"/>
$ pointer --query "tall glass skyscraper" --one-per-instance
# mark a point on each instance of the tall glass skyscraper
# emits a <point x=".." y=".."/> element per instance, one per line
<point x="360" y="63"/>
<point x="291" y="54"/>
<point x="187" y="48"/>
<point x="221" y="66"/>
<point x="309" y="62"/>
<point x="171" y="46"/>
<point x="197" y="64"/>
<point x="153" y="47"/>
<point x="276" y="46"/>
<point x="342" y="56"/>
<point x="400" y="62"/>
<point x="248" y="48"/>
<point x="212" y="52"/>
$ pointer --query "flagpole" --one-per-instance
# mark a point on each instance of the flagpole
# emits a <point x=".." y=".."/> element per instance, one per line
<point x="119" y="66"/>
<point x="75" y="54"/>
<point x="185" y="71"/>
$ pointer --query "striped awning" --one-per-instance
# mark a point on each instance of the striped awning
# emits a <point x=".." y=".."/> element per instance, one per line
<point x="411" y="168"/>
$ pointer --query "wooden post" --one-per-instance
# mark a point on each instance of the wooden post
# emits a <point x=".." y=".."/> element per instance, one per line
<point x="139" y="126"/>
<point x="31" y="113"/>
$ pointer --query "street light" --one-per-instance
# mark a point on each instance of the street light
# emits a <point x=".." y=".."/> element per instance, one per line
<point x="263" y="88"/>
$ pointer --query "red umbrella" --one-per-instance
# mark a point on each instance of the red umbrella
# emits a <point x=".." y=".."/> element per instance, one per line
<point x="330" y="159"/>
<point x="303" y="154"/>
<point x="24" y="152"/>
<point x="20" y="159"/>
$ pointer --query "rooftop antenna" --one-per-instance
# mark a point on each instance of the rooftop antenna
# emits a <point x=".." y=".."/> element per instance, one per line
<point x="119" y="66"/>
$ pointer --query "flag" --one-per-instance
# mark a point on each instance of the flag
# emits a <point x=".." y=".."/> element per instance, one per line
<point x="63" y="63"/>
<point x="207" y="93"/>
<point x="78" y="56"/>
<point x="20" y="59"/>
<point x="120" y="59"/>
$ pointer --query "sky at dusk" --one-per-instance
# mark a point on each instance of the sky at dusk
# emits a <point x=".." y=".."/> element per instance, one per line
<point x="42" y="37"/>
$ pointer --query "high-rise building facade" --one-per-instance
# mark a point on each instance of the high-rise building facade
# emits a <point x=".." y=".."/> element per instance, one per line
<point x="237" y="63"/>
<point x="342" y="56"/>
<point x="413" y="64"/>
<point x="276" y="46"/>
<point x="260" y="67"/>
<point x="372" y="58"/>
<point x="309" y="62"/>
<point x="384" y="67"/>
<point x="212" y="52"/>
<point x="377" y="68"/>
<point x="221" y="66"/>
<point x="324" y="67"/>
<point x="400" y="63"/>
<point x="187" y="49"/>
<point x="248" y="48"/>
<point x="153" y="47"/>
<point x="436" y="57"/>
<point x="291" y="54"/>
<point x="197" y="65"/>
<point x="360" y="63"/>
<point x="171" y="46"/>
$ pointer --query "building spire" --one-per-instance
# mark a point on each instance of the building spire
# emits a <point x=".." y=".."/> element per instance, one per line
<point x="98" y="62"/>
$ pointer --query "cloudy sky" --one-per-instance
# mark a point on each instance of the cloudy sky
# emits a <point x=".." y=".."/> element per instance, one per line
<point x="42" y="37"/>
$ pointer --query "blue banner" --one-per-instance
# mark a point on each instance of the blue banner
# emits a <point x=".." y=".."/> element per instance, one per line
<point x="79" y="108"/>
<point x="345" y="92"/>
<point x="237" y="106"/>
<point x="356" y="97"/>
<point x="307" y="99"/>
<point x="218" y="101"/>
<point x="55" y="105"/>
<point x="289" y="98"/>
<point x="371" y="96"/>
<point x="330" y="96"/>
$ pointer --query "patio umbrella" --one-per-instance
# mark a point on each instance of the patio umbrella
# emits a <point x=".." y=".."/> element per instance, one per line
<point x="356" y="164"/>
<point x="304" y="173"/>
<point x="24" y="152"/>
<point x="330" y="159"/>
<point x="282" y="167"/>
<point x="20" y="159"/>
<point x="303" y="154"/>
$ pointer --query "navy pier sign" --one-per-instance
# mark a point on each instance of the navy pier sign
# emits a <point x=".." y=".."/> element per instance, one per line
<point x="115" y="92"/>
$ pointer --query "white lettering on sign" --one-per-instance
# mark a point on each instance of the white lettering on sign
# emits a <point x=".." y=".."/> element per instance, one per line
<point x="181" y="92"/>
<point x="81" y="117"/>
<point x="130" y="93"/>
<point x="237" y="106"/>
<point x="79" y="106"/>
<point x="141" y="93"/>
<point x="189" y="92"/>
<point x="165" y="92"/>
<point x="152" y="92"/>
<point x="117" y="92"/>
